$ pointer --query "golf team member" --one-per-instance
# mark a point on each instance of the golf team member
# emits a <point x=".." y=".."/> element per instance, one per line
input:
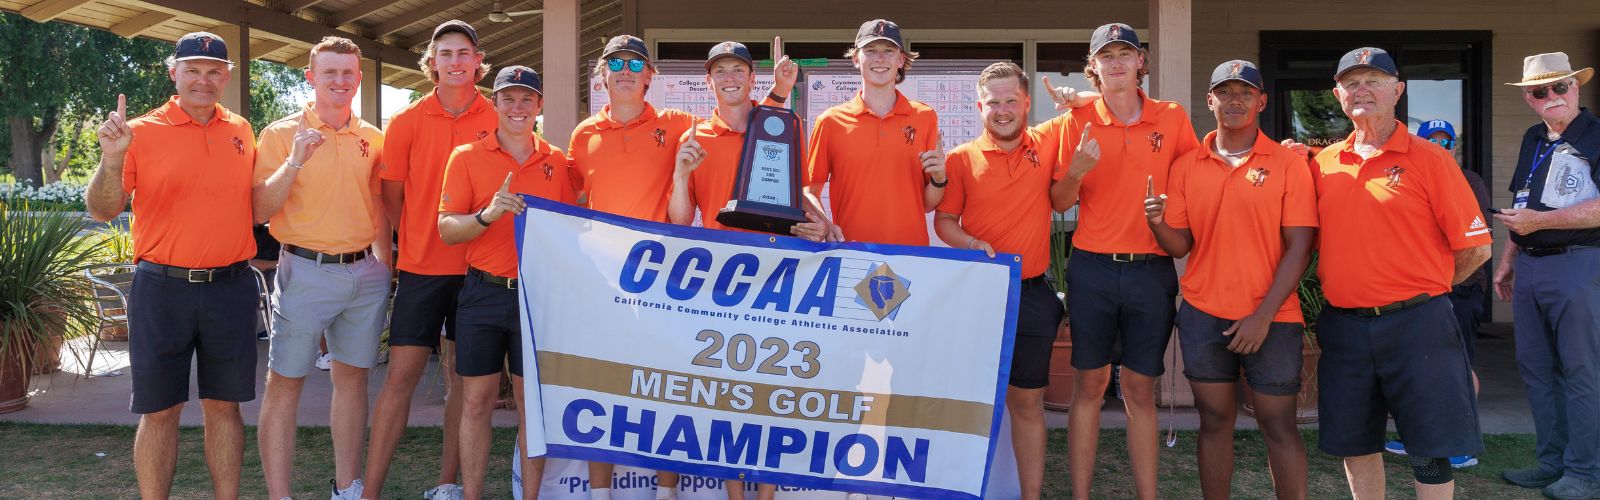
<point x="316" y="178"/>
<point x="879" y="152"/>
<point x="481" y="195"/>
<point x="1121" y="285"/>
<point x="194" y="296"/>
<point x="1399" y="228"/>
<point x="1244" y="210"/>
<point x="998" y="200"/>
<point x="417" y="143"/>
<point x="1548" y="270"/>
<point x="624" y="158"/>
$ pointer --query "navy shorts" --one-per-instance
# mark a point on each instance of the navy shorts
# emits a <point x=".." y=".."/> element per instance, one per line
<point x="489" y="329"/>
<point x="1121" y="310"/>
<point x="173" y="323"/>
<point x="1468" y="303"/>
<point x="1409" y="363"/>
<point x="1039" y="316"/>
<point x="1273" y="370"/>
<point x="422" y="305"/>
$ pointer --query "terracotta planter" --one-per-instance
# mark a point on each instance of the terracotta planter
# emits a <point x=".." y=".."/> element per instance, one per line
<point x="1306" y="400"/>
<point x="47" y="356"/>
<point x="1058" y="395"/>
<point x="13" y="382"/>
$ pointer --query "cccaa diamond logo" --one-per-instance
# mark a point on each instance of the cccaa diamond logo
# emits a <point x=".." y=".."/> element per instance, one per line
<point x="882" y="291"/>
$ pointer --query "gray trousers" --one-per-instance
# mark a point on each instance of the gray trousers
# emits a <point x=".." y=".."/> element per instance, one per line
<point x="1556" y="308"/>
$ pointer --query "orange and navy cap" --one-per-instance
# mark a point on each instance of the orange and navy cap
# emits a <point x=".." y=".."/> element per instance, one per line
<point x="729" y="49"/>
<point x="879" y="29"/>
<point x="1237" y="70"/>
<point x="1113" y="33"/>
<point x="518" y="76"/>
<point x="626" y="43"/>
<point x="456" y="26"/>
<point x="201" y="45"/>
<point x="1366" y="57"/>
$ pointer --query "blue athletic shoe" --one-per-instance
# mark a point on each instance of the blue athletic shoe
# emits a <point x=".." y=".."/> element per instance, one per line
<point x="1395" y="447"/>
<point x="1463" y="461"/>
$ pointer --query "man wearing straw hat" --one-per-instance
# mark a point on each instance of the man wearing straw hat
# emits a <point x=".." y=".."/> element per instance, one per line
<point x="1548" y="272"/>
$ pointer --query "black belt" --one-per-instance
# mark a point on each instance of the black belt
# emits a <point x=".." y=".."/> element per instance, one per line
<point x="508" y="283"/>
<point x="1390" y="308"/>
<point x="1121" y="258"/>
<point x="326" y="258"/>
<point x="1035" y="281"/>
<point x="1548" y="251"/>
<point x="195" y="275"/>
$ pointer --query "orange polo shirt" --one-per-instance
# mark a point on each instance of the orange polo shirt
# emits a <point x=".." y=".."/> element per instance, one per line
<point x="1003" y="197"/>
<point x="711" y="184"/>
<point x="872" y="165"/>
<point x="1391" y="223"/>
<point x="418" y="141"/>
<point x="475" y="173"/>
<point x="627" y="167"/>
<point x="1111" y="198"/>
<point x="191" y="188"/>
<point x="1237" y="216"/>
<point x="334" y="205"/>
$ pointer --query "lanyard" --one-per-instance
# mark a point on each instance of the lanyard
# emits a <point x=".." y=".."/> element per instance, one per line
<point x="1540" y="155"/>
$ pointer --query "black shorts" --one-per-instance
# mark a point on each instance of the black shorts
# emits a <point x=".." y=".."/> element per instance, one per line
<point x="1273" y="370"/>
<point x="490" y="329"/>
<point x="423" y="304"/>
<point x="1409" y="363"/>
<point x="1121" y="311"/>
<point x="1039" y="315"/>
<point x="173" y="323"/>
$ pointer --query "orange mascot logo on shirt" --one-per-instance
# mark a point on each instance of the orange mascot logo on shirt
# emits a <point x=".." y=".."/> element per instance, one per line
<point x="1257" y="176"/>
<point x="1394" y="175"/>
<point x="238" y="145"/>
<point x="1031" y="156"/>
<point x="549" y="172"/>
<point x="911" y="134"/>
<point x="660" y="136"/>
<point x="364" y="145"/>
<point x="1155" y="142"/>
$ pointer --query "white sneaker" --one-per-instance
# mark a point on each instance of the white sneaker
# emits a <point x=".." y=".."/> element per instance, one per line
<point x="325" y="361"/>
<point x="351" y="493"/>
<point x="444" y="492"/>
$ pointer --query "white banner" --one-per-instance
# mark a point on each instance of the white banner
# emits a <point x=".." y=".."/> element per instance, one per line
<point x="847" y="367"/>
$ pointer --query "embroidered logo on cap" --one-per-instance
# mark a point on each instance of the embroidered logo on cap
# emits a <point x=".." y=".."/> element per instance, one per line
<point x="1116" y="32"/>
<point x="1364" y="57"/>
<point x="1235" y="69"/>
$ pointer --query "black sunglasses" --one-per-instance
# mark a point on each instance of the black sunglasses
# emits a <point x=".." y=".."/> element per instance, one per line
<point x="1543" y="92"/>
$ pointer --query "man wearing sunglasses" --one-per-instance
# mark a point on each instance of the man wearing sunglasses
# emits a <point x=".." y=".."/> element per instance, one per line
<point x="1548" y="271"/>
<point x="1467" y="297"/>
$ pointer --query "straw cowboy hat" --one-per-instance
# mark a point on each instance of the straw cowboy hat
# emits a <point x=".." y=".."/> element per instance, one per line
<point x="1541" y="69"/>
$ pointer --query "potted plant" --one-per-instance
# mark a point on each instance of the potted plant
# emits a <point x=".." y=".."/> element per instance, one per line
<point x="1058" y="395"/>
<point x="42" y="291"/>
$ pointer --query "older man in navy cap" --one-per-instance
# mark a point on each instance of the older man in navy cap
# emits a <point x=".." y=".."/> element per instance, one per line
<point x="194" y="295"/>
<point x="1400" y="226"/>
<point x="1548" y="272"/>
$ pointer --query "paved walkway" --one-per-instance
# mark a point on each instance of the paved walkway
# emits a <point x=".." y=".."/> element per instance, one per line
<point x="66" y="397"/>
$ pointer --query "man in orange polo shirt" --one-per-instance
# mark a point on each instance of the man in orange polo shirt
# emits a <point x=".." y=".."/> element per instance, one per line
<point x="194" y="295"/>
<point x="1400" y="226"/>
<point x="999" y="201"/>
<point x="482" y="187"/>
<point x="1246" y="207"/>
<point x="624" y="153"/>
<point x="417" y="142"/>
<point x="317" y="180"/>
<point x="1121" y="285"/>
<point x="879" y="152"/>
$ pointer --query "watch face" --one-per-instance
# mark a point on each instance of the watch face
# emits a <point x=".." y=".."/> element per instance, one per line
<point x="773" y="125"/>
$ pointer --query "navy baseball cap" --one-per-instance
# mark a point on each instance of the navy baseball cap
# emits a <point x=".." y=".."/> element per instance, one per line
<point x="1112" y="33"/>
<point x="1369" y="58"/>
<point x="456" y="26"/>
<point x="879" y="29"/>
<point x="201" y="45"/>
<point x="626" y="43"/>
<point x="729" y="49"/>
<point x="1431" y="126"/>
<point x="518" y="76"/>
<point x="1237" y="70"/>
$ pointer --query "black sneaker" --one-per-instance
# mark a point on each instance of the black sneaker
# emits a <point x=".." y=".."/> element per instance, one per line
<point x="1532" y="477"/>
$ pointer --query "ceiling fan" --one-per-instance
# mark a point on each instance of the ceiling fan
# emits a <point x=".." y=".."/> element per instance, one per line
<point x="500" y="15"/>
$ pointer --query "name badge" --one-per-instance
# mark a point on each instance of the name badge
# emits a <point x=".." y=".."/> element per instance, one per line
<point x="1520" y="200"/>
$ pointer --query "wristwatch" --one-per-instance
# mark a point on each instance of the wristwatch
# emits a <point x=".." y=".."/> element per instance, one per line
<point x="938" y="184"/>
<point x="778" y="98"/>
<point x="479" y="216"/>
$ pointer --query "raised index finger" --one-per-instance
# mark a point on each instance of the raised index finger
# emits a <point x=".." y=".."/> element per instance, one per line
<point x="1051" y="89"/>
<point x="1149" y="186"/>
<point x="122" y="106"/>
<point x="506" y="187"/>
<point x="777" y="49"/>
<point x="1085" y="137"/>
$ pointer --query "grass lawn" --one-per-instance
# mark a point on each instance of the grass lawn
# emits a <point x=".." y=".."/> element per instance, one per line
<point x="51" y="461"/>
